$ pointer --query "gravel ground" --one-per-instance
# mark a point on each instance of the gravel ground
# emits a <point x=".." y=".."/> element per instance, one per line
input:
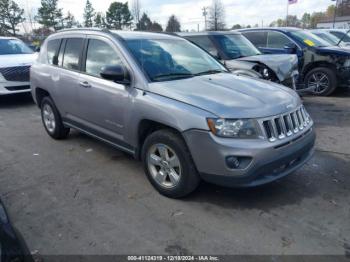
<point x="80" y="196"/>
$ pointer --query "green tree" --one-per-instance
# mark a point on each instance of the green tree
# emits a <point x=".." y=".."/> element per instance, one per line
<point x="69" y="21"/>
<point x="11" y="16"/>
<point x="156" y="27"/>
<point x="118" y="16"/>
<point x="173" y="24"/>
<point x="306" y="20"/>
<point x="100" y="20"/>
<point x="145" y="23"/>
<point x="49" y="15"/>
<point x="236" y="26"/>
<point x="89" y="13"/>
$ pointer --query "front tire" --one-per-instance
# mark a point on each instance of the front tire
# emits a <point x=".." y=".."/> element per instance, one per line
<point x="168" y="164"/>
<point x="51" y="119"/>
<point x="322" y="81"/>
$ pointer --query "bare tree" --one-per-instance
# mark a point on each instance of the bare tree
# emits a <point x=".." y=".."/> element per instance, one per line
<point x="136" y="11"/>
<point x="216" y="19"/>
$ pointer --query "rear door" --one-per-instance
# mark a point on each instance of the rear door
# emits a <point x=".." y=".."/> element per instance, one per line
<point x="66" y="76"/>
<point x="102" y="102"/>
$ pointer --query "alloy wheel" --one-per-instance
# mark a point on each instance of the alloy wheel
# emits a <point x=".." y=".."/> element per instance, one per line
<point x="164" y="165"/>
<point x="49" y="118"/>
<point x="318" y="82"/>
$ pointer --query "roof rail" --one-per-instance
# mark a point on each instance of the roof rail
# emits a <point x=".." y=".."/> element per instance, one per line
<point x="105" y="30"/>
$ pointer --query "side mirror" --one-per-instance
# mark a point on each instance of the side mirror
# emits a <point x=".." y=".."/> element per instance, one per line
<point x="116" y="73"/>
<point x="37" y="49"/>
<point x="291" y="48"/>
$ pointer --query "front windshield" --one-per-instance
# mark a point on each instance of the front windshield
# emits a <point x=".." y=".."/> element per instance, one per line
<point x="170" y="59"/>
<point x="14" y="47"/>
<point x="329" y="38"/>
<point x="309" y="38"/>
<point x="236" y="46"/>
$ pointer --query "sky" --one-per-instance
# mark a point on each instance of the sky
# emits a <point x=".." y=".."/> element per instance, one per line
<point x="189" y="12"/>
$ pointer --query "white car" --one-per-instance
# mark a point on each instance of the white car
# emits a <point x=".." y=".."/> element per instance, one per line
<point x="15" y="61"/>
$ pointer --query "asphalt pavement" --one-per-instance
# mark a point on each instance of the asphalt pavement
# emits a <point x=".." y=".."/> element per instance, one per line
<point x="80" y="196"/>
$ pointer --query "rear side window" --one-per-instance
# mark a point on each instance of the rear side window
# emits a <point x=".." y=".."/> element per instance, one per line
<point x="72" y="53"/>
<point x="52" y="49"/>
<point x="205" y="43"/>
<point x="259" y="39"/>
<point x="277" y="40"/>
<point x="100" y="54"/>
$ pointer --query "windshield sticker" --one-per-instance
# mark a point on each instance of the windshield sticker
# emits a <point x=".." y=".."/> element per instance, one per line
<point x="309" y="42"/>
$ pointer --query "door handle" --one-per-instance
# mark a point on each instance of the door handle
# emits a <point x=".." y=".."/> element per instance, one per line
<point x="85" y="84"/>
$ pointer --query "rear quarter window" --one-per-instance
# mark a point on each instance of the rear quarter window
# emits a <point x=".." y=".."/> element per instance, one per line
<point x="52" y="50"/>
<point x="259" y="39"/>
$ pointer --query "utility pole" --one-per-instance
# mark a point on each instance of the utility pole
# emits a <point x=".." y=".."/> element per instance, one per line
<point x="335" y="12"/>
<point x="205" y="13"/>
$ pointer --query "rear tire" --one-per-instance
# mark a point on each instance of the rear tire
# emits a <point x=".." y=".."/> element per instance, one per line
<point x="51" y="119"/>
<point x="323" y="80"/>
<point x="168" y="164"/>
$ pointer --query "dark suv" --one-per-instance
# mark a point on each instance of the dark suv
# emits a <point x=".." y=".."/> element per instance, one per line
<point x="322" y="67"/>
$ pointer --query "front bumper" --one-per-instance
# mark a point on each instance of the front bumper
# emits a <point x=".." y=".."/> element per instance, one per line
<point x="343" y="76"/>
<point x="267" y="161"/>
<point x="14" y="87"/>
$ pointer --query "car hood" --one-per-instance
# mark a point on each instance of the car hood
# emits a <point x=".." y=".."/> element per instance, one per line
<point x="17" y="60"/>
<point x="333" y="50"/>
<point x="283" y="65"/>
<point x="230" y="96"/>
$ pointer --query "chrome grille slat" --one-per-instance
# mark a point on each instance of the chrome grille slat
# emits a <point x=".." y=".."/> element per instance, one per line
<point x="16" y="73"/>
<point x="286" y="125"/>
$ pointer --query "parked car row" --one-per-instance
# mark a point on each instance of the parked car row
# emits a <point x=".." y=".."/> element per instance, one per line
<point x="169" y="103"/>
<point x="323" y="66"/>
<point x="315" y="61"/>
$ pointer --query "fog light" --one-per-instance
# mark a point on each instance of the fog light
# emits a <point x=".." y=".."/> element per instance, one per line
<point x="232" y="162"/>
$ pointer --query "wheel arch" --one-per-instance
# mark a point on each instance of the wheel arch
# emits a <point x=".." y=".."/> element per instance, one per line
<point x="147" y="127"/>
<point x="40" y="93"/>
<point x="314" y="65"/>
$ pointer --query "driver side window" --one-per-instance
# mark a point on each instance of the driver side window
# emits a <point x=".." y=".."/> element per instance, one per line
<point x="100" y="54"/>
<point x="277" y="40"/>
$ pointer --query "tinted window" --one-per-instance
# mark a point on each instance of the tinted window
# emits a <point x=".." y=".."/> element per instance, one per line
<point x="236" y="46"/>
<point x="205" y="43"/>
<point x="52" y="49"/>
<point x="100" y="54"/>
<point x="72" y="53"/>
<point x="259" y="39"/>
<point x="277" y="40"/>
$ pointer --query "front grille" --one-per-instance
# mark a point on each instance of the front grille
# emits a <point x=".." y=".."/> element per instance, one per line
<point x="286" y="125"/>
<point x="17" y="73"/>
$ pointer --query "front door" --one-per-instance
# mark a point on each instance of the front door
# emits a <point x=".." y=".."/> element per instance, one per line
<point x="102" y="102"/>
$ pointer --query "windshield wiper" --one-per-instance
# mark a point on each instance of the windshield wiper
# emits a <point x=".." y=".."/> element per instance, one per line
<point x="172" y="76"/>
<point x="341" y="39"/>
<point x="210" y="72"/>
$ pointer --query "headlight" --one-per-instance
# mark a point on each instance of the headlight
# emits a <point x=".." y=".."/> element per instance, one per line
<point x="266" y="73"/>
<point x="234" y="128"/>
<point x="2" y="79"/>
<point x="347" y="63"/>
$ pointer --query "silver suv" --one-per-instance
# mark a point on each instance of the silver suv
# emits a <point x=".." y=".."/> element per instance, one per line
<point x="170" y="104"/>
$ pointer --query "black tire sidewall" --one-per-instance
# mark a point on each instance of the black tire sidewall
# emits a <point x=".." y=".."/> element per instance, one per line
<point x="189" y="178"/>
<point x="60" y="131"/>
<point x="331" y="76"/>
